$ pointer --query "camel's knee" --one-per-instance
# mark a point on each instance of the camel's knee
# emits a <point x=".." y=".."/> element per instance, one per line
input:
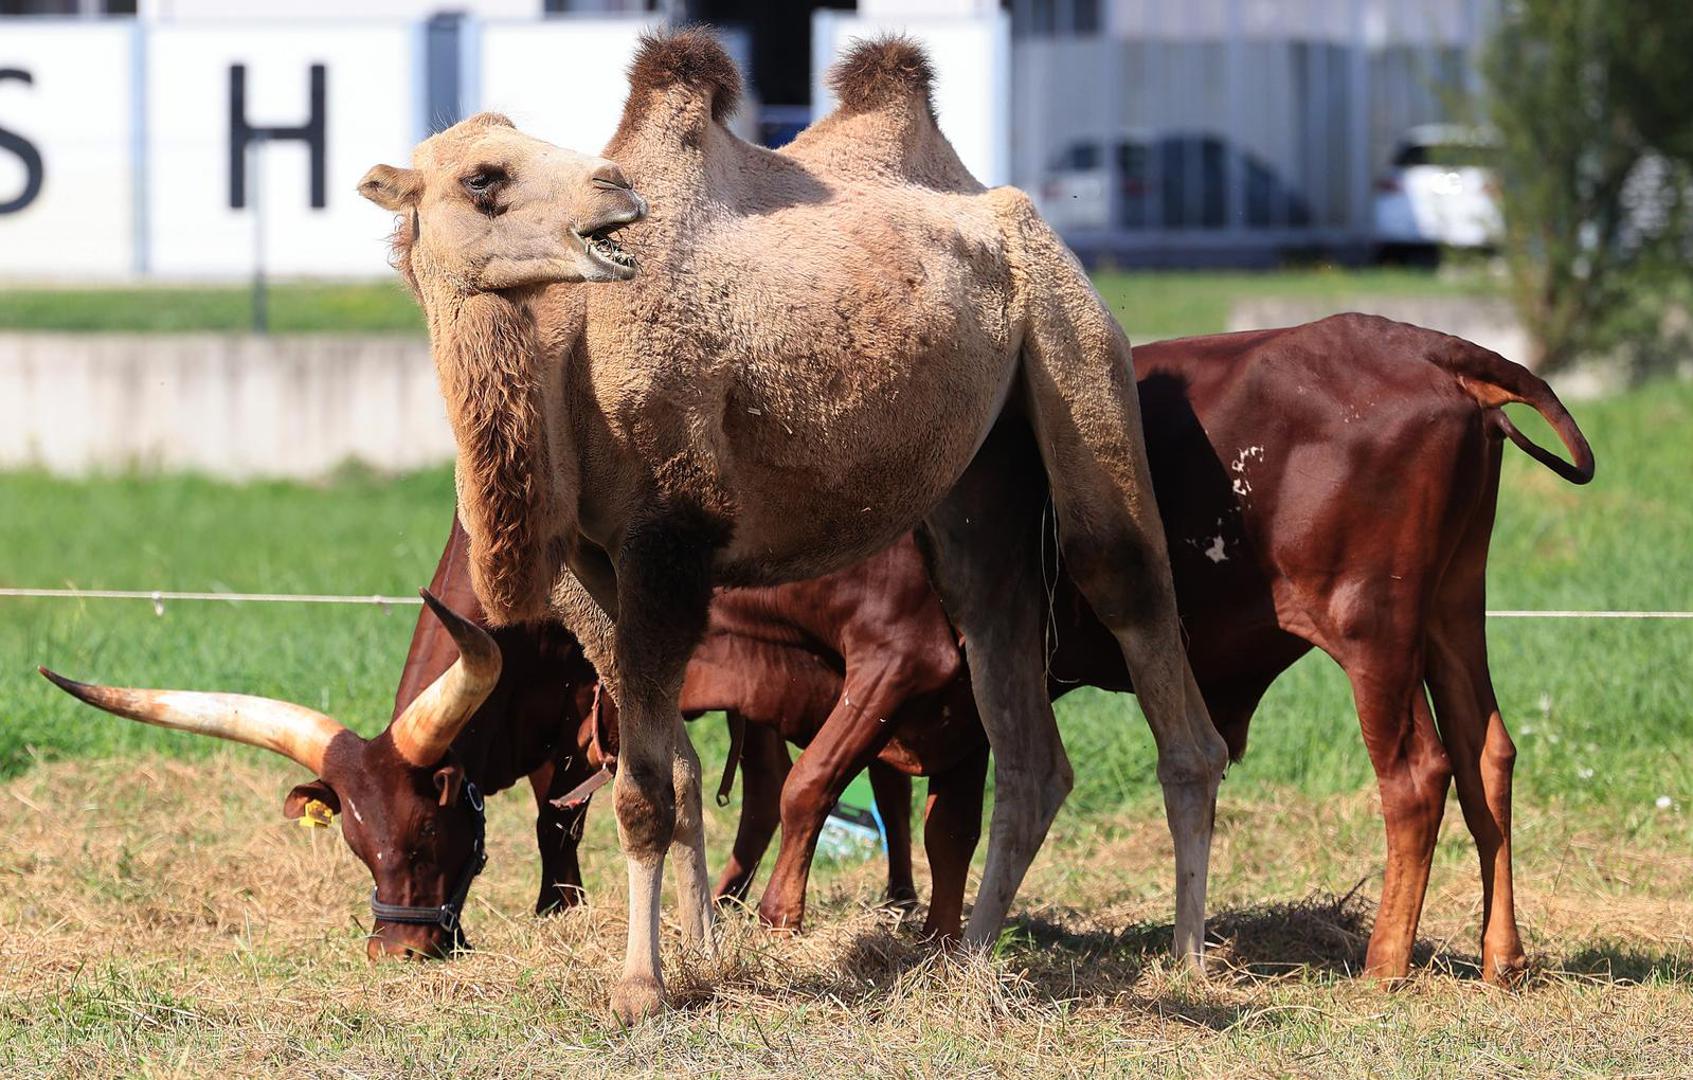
<point x="646" y="810"/>
<point x="1044" y="785"/>
<point x="1201" y="764"/>
<point x="685" y="789"/>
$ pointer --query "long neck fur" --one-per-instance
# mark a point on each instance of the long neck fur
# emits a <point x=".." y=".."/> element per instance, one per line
<point x="490" y="367"/>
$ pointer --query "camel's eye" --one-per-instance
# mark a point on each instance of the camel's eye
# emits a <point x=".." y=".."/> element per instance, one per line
<point x="484" y="180"/>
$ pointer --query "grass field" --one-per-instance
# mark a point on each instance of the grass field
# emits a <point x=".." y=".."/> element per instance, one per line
<point x="1153" y="305"/>
<point x="158" y="917"/>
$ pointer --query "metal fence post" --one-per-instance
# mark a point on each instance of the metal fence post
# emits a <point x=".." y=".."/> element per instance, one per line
<point x="255" y="173"/>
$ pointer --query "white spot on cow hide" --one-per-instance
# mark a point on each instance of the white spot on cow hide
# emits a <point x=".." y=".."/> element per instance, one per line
<point x="1241" y="487"/>
<point x="1245" y="455"/>
<point x="1215" y="552"/>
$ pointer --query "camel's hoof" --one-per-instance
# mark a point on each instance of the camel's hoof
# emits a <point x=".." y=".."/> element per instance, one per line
<point x="636" y="998"/>
<point x="1507" y="972"/>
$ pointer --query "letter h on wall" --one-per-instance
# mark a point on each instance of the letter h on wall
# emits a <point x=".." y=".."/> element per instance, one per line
<point x="312" y="133"/>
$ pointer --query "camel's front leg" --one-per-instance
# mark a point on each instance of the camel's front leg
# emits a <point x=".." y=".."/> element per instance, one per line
<point x="663" y="591"/>
<point x="693" y="877"/>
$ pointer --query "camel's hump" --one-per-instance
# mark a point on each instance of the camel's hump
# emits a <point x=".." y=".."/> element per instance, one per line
<point x="879" y="72"/>
<point x="689" y="58"/>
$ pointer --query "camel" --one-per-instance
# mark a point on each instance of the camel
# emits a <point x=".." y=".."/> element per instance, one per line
<point x="820" y="350"/>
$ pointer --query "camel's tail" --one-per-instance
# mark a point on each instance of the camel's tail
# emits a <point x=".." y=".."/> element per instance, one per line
<point x="1495" y="382"/>
<point x="880" y="72"/>
<point x="689" y="60"/>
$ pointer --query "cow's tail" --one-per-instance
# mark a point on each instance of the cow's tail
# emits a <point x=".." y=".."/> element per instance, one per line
<point x="1495" y="382"/>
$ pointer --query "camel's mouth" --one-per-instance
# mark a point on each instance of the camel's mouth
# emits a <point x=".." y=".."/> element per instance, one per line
<point x="600" y="246"/>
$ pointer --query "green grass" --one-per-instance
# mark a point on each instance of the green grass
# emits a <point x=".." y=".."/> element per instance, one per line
<point x="1609" y="697"/>
<point x="1150" y="306"/>
<point x="1176" y="303"/>
<point x="383" y="307"/>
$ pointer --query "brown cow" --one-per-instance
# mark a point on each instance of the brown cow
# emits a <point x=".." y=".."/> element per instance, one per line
<point x="855" y="664"/>
<point x="1329" y="485"/>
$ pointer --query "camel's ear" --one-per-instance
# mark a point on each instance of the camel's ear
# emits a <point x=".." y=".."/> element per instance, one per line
<point x="391" y="188"/>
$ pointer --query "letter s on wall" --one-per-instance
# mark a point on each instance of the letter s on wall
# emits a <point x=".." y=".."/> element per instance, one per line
<point x="26" y="151"/>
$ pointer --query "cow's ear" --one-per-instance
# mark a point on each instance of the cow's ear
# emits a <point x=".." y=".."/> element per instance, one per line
<point x="312" y="802"/>
<point x="449" y="780"/>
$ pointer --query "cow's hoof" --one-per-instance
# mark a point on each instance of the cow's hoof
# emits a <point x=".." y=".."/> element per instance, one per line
<point x="1507" y="971"/>
<point x="558" y="902"/>
<point x="636" y="998"/>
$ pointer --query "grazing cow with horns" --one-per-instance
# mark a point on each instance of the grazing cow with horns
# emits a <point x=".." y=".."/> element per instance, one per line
<point x="412" y="814"/>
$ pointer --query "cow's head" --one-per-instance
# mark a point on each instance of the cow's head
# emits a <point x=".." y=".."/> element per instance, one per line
<point x="406" y="807"/>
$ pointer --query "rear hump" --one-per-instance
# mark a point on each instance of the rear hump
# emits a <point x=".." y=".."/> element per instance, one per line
<point x="881" y="72"/>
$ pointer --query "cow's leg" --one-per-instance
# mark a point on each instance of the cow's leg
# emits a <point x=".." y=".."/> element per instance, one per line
<point x="663" y="592"/>
<point x="1482" y="759"/>
<point x="1081" y="394"/>
<point x="952" y="824"/>
<point x="856" y="730"/>
<point x="558" y="832"/>
<point x="1412" y="771"/>
<point x="892" y="789"/>
<point x="764" y="767"/>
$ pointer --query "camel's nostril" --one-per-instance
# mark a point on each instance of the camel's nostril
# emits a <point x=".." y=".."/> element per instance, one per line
<point x="610" y="176"/>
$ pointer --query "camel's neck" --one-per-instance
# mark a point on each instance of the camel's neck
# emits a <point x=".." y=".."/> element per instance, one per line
<point x="494" y="380"/>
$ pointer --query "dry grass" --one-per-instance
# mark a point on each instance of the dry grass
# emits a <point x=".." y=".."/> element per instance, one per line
<point x="158" y="917"/>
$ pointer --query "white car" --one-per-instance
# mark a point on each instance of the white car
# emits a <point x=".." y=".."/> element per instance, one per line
<point x="1440" y="191"/>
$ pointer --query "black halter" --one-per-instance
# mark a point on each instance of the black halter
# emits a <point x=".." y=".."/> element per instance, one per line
<point x="446" y="916"/>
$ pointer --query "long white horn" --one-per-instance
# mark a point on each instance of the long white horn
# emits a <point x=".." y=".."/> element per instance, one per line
<point x="428" y="726"/>
<point x="293" y="731"/>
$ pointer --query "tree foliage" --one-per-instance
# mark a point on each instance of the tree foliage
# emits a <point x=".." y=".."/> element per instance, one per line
<point x="1591" y="103"/>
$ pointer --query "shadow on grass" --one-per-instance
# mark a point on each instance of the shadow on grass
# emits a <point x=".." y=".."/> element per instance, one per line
<point x="1322" y="934"/>
<point x="1626" y="964"/>
<point x="1321" y="937"/>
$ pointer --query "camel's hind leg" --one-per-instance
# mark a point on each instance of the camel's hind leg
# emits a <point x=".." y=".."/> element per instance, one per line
<point x="983" y="543"/>
<point x="1080" y="393"/>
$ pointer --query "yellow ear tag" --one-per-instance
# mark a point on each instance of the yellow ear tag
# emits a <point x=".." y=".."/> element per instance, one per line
<point x="318" y="815"/>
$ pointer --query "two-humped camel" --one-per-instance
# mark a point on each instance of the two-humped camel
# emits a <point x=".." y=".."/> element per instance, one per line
<point x="815" y="349"/>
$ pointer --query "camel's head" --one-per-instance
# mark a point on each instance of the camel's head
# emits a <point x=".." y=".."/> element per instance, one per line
<point x="487" y="207"/>
<point x="412" y="816"/>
